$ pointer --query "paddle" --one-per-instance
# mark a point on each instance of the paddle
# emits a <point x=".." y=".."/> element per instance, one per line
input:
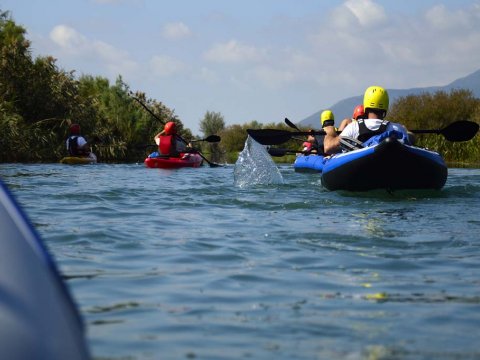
<point x="462" y="130"/>
<point x="210" y="139"/>
<point x="212" y="164"/>
<point x="292" y="125"/>
<point x="277" y="136"/>
<point x="278" y="152"/>
<point x="458" y="131"/>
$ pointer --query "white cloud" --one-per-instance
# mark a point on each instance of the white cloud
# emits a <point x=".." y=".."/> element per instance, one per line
<point x="367" y="12"/>
<point x="68" y="38"/>
<point x="441" y="18"/>
<point x="165" y="66"/>
<point x="206" y="74"/>
<point x="234" y="52"/>
<point x="174" y="31"/>
<point x="271" y="77"/>
<point x="73" y="44"/>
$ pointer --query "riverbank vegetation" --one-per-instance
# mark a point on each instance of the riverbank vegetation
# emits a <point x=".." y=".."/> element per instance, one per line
<point x="38" y="102"/>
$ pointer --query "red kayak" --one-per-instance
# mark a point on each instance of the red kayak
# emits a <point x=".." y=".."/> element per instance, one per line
<point x="166" y="162"/>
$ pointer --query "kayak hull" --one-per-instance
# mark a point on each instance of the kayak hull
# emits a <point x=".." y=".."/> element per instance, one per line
<point x="166" y="162"/>
<point x="309" y="163"/>
<point x="38" y="315"/>
<point x="79" y="160"/>
<point x="389" y="165"/>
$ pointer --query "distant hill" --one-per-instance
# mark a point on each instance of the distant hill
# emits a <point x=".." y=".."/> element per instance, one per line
<point x="344" y="108"/>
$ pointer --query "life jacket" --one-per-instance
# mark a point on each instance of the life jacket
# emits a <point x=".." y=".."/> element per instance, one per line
<point x="167" y="146"/>
<point x="73" y="149"/>
<point x="318" y="144"/>
<point x="365" y="133"/>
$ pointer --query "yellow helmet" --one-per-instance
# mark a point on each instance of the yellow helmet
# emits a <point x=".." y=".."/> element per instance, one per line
<point x="375" y="97"/>
<point x="327" y="115"/>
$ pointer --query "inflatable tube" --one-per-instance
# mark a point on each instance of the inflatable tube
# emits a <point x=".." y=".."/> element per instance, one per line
<point x="79" y="160"/>
<point x="309" y="163"/>
<point x="166" y="162"/>
<point x="38" y="317"/>
<point x="389" y="165"/>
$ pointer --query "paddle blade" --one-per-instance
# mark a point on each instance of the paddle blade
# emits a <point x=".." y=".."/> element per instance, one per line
<point x="277" y="152"/>
<point x="212" y="139"/>
<point x="292" y="125"/>
<point x="460" y="131"/>
<point x="270" y="136"/>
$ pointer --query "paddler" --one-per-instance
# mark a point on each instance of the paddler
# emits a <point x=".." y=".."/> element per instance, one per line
<point x="375" y="103"/>
<point x="358" y="113"/>
<point x="76" y="144"/>
<point x="169" y="142"/>
<point x="326" y="119"/>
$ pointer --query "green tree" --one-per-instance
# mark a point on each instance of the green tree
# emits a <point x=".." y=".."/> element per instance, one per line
<point x="436" y="111"/>
<point x="213" y="123"/>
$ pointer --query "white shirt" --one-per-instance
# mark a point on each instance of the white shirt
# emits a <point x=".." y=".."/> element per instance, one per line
<point x="352" y="130"/>
<point x="80" y="141"/>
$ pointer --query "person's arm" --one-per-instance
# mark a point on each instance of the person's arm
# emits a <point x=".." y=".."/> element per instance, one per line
<point x="331" y="142"/>
<point x="344" y="124"/>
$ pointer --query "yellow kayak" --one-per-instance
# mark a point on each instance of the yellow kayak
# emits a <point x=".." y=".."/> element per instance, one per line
<point x="79" y="160"/>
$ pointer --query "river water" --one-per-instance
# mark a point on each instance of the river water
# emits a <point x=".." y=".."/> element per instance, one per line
<point x="187" y="264"/>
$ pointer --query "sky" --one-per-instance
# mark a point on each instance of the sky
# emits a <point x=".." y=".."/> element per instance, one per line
<point x="260" y="60"/>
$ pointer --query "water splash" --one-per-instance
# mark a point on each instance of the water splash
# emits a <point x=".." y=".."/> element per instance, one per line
<point x="255" y="166"/>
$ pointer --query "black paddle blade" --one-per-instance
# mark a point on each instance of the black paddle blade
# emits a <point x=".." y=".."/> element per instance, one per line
<point x="212" y="139"/>
<point x="463" y="130"/>
<point x="270" y="136"/>
<point x="277" y="152"/>
<point x="292" y="125"/>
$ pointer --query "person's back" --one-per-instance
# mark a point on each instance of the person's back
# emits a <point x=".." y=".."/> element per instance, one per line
<point x="169" y="143"/>
<point x="375" y="103"/>
<point x="76" y="144"/>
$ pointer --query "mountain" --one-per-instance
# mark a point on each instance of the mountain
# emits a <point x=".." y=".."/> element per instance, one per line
<point x="344" y="108"/>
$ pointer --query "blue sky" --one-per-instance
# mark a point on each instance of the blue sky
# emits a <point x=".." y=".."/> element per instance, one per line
<point x="256" y="59"/>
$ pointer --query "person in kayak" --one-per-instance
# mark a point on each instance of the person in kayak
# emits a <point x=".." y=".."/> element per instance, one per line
<point x="358" y="113"/>
<point x="316" y="141"/>
<point x="169" y="142"/>
<point x="375" y="103"/>
<point x="76" y="144"/>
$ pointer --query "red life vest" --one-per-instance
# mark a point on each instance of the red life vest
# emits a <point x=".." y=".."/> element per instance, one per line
<point x="167" y="145"/>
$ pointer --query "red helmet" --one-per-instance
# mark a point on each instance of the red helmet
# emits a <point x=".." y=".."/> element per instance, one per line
<point x="359" y="111"/>
<point x="75" y="129"/>
<point x="170" y="128"/>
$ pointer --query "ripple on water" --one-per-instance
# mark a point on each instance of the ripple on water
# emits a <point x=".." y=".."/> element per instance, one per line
<point x="187" y="265"/>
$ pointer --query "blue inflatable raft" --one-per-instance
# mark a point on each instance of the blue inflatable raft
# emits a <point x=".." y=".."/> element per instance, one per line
<point x="389" y="165"/>
<point x="309" y="163"/>
<point x="39" y="319"/>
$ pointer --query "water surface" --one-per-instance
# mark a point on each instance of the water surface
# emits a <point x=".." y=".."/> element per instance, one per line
<point x="185" y="265"/>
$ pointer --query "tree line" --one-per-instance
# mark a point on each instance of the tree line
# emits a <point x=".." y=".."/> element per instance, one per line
<point x="38" y="102"/>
